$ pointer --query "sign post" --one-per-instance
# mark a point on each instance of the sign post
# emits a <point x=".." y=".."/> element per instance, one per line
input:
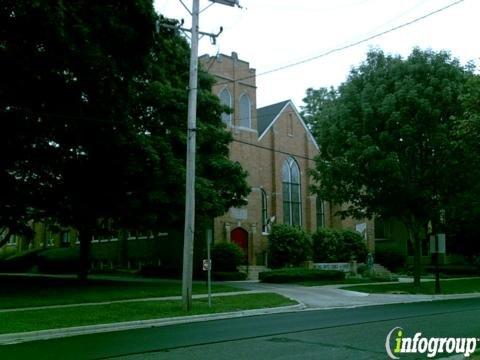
<point x="437" y="247"/>
<point x="209" y="268"/>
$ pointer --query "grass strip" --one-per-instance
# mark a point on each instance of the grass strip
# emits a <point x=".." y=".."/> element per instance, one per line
<point x="33" y="320"/>
<point x="463" y="286"/>
<point x="19" y="292"/>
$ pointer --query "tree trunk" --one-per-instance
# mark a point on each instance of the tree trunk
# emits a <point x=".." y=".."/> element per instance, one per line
<point x="5" y="239"/>
<point x="123" y="248"/>
<point x="85" y="238"/>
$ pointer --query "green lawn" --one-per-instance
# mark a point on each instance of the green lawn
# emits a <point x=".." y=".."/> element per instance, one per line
<point x="18" y="292"/>
<point x="31" y="320"/>
<point x="447" y="287"/>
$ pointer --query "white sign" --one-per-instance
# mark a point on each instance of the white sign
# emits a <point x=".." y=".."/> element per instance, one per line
<point x="238" y="213"/>
<point x="441" y="244"/>
<point x="207" y="265"/>
<point x="332" y="266"/>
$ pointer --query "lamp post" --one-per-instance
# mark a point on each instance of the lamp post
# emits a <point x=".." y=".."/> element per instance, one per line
<point x="189" y="228"/>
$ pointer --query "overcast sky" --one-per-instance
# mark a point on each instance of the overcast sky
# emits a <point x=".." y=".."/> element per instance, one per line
<point x="273" y="33"/>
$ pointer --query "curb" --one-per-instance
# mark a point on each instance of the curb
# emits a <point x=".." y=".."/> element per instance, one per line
<point x="16" y="338"/>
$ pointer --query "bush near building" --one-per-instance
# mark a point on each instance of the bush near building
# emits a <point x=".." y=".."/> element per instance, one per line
<point x="332" y="245"/>
<point x="226" y="257"/>
<point x="288" y="246"/>
<point x="289" y="275"/>
<point x="393" y="259"/>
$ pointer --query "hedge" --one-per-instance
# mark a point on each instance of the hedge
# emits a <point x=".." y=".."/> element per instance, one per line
<point x="59" y="260"/>
<point x="289" y="275"/>
<point x="455" y="269"/>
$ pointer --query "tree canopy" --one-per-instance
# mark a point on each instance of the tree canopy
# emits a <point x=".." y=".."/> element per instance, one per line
<point x="390" y="139"/>
<point x="94" y="102"/>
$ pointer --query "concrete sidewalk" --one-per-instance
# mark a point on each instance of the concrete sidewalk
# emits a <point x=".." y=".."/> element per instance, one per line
<point x="331" y="296"/>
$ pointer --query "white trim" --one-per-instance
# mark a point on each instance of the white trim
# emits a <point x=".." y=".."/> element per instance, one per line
<point x="299" y="118"/>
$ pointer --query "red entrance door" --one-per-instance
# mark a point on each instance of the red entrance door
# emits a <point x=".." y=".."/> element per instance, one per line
<point x="240" y="237"/>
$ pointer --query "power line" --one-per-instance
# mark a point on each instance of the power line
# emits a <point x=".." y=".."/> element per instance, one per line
<point x="271" y="149"/>
<point x="345" y="47"/>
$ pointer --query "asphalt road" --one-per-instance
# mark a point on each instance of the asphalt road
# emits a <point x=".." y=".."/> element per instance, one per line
<point x="356" y="333"/>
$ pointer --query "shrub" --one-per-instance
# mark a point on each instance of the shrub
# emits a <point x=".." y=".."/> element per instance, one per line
<point x="59" y="260"/>
<point x="391" y="258"/>
<point x="288" y="245"/>
<point x="331" y="245"/>
<point x="20" y="263"/>
<point x="226" y="256"/>
<point x="455" y="269"/>
<point x="290" y="275"/>
<point x="476" y="262"/>
<point x="362" y="269"/>
<point x="229" y="275"/>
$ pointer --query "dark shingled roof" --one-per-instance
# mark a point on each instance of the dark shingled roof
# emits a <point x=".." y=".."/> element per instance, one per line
<point x="265" y="115"/>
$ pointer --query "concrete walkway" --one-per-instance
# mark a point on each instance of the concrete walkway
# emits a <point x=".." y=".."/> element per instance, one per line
<point x="331" y="296"/>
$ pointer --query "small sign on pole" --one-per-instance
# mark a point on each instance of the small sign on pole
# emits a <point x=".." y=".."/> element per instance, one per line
<point x="206" y="264"/>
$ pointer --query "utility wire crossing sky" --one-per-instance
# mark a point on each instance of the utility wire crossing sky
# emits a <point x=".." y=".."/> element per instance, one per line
<point x="296" y="44"/>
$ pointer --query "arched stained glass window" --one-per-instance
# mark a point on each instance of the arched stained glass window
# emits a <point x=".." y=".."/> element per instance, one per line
<point x="245" y="111"/>
<point x="292" y="198"/>
<point x="226" y="99"/>
<point x="264" y="211"/>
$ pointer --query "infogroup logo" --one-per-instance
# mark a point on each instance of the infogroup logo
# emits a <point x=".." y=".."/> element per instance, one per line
<point x="429" y="346"/>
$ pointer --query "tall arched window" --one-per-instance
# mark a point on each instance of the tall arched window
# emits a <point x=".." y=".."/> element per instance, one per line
<point x="226" y="99"/>
<point x="320" y="213"/>
<point x="292" y="199"/>
<point x="264" y="211"/>
<point x="245" y="111"/>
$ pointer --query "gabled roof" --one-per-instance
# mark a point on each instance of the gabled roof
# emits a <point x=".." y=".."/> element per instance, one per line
<point x="266" y="117"/>
<point x="267" y="114"/>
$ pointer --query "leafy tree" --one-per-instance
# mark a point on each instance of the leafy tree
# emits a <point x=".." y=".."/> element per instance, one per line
<point x="316" y="101"/>
<point x="65" y="100"/>
<point x="94" y="102"/>
<point x="463" y="212"/>
<point x="390" y="140"/>
<point x="161" y="110"/>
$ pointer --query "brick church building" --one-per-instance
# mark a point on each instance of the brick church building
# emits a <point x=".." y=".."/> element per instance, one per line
<point x="276" y="148"/>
